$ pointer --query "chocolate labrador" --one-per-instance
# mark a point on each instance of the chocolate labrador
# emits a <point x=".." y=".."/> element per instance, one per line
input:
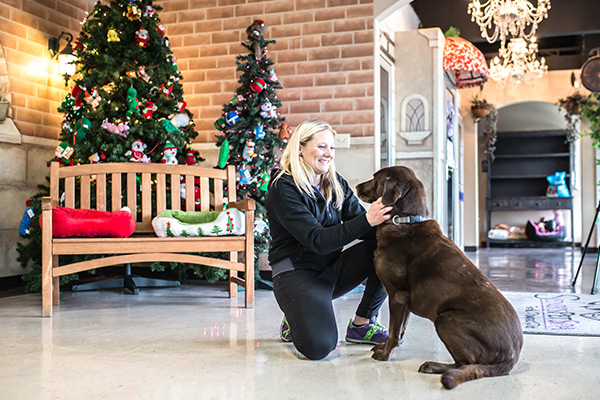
<point x="425" y="273"/>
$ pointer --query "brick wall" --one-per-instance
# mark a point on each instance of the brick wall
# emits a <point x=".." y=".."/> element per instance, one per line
<point x="323" y="57"/>
<point x="36" y="87"/>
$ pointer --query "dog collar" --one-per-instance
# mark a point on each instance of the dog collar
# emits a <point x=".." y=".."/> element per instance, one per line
<point x="411" y="219"/>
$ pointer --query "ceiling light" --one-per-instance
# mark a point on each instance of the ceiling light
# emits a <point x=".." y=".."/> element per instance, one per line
<point x="517" y="63"/>
<point x="500" y="19"/>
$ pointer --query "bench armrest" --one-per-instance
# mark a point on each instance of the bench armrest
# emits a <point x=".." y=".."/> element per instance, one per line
<point x="246" y="204"/>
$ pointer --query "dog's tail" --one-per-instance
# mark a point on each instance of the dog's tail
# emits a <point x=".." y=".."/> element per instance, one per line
<point x="454" y="377"/>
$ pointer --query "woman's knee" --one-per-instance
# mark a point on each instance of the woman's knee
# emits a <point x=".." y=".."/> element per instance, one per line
<point x="317" y="350"/>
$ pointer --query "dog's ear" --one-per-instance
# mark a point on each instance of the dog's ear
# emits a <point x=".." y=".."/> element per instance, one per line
<point x="391" y="192"/>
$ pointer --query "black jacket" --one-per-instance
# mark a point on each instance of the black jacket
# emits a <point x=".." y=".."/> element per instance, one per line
<point x="308" y="231"/>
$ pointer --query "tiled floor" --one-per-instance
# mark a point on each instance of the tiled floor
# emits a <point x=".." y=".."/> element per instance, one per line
<point x="195" y="343"/>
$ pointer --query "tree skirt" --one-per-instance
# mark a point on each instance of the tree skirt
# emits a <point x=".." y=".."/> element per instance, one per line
<point x="174" y="223"/>
<point x="557" y="313"/>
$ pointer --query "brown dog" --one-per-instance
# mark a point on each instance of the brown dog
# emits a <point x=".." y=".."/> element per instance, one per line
<point x="425" y="273"/>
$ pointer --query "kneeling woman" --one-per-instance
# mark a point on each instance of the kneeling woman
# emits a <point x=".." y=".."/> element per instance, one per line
<point x="313" y="214"/>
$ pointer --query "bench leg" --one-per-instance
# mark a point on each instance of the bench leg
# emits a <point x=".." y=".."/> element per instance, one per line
<point x="233" y="256"/>
<point x="46" y="282"/>
<point x="249" y="285"/>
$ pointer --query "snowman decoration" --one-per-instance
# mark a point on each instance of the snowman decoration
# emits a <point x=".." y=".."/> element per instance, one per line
<point x="137" y="152"/>
<point x="169" y="154"/>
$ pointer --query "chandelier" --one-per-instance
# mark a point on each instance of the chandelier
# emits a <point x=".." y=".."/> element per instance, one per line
<point x="517" y="63"/>
<point x="497" y="19"/>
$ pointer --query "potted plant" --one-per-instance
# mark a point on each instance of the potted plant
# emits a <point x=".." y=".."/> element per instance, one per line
<point x="479" y="107"/>
<point x="573" y="106"/>
<point x="3" y="101"/>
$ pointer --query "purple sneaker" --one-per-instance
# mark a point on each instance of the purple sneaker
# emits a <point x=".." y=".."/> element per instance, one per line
<point x="371" y="333"/>
<point x="284" y="331"/>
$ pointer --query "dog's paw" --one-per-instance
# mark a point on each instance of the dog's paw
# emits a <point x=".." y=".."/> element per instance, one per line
<point x="381" y="355"/>
<point x="378" y="347"/>
<point x="431" y="367"/>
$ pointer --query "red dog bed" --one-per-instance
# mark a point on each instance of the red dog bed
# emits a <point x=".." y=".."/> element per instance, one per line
<point x="67" y="222"/>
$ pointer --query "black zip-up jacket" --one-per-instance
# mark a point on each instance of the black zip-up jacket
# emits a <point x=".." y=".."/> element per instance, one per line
<point x="307" y="230"/>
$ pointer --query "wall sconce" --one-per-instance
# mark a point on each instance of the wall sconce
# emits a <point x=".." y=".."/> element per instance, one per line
<point x="66" y="58"/>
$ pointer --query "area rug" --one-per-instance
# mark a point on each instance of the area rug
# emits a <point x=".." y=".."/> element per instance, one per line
<point x="557" y="313"/>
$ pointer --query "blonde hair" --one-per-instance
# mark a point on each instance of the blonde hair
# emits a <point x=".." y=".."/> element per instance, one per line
<point x="302" y="173"/>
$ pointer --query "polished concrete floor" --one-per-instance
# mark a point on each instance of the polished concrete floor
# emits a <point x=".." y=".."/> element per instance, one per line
<point x="193" y="342"/>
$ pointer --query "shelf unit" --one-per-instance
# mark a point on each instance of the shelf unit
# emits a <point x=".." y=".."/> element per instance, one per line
<point x="517" y="176"/>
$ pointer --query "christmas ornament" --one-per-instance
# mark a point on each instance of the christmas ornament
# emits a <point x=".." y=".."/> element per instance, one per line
<point x="62" y="154"/>
<point x="168" y="126"/>
<point x="260" y="226"/>
<point x="258" y="85"/>
<point x="284" y="131"/>
<point x="166" y="91"/>
<point x="245" y="177"/>
<point x="181" y="105"/>
<point x="264" y="182"/>
<point x="236" y="99"/>
<point x="180" y="120"/>
<point x="249" y="153"/>
<point x="148" y="108"/>
<point x="137" y="152"/>
<point x="26" y="220"/>
<point x="171" y="59"/>
<point x="132" y="102"/>
<point x="141" y="37"/>
<point x="141" y="73"/>
<point x="133" y="12"/>
<point x="256" y="32"/>
<point x="112" y="36"/>
<point x="232" y="118"/>
<point x="272" y="75"/>
<point x="224" y="154"/>
<point x="268" y="110"/>
<point x="77" y="90"/>
<point x="121" y="129"/>
<point x="81" y="128"/>
<point x="97" y="158"/>
<point x="92" y="97"/>
<point x="190" y="157"/>
<point x="169" y="153"/>
<point x="149" y="11"/>
<point x="165" y="41"/>
<point x="220" y="124"/>
<point x="161" y="30"/>
<point x="259" y="132"/>
<point x="108" y="87"/>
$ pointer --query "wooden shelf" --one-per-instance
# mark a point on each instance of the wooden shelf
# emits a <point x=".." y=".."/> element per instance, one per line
<point x="517" y="176"/>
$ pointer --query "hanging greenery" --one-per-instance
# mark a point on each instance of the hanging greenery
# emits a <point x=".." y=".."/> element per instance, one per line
<point x="481" y="109"/>
<point x="590" y="110"/>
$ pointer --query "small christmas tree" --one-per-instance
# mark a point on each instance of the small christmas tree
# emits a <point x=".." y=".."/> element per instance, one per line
<point x="253" y="134"/>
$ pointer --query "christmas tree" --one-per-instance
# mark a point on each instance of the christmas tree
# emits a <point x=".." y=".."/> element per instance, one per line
<point x="127" y="100"/>
<point x="252" y="133"/>
<point x="126" y="105"/>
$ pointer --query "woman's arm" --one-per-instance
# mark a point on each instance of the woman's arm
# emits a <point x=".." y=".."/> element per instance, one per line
<point x="285" y="201"/>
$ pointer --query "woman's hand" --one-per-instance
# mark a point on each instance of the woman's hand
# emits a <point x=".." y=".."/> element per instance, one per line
<point x="377" y="213"/>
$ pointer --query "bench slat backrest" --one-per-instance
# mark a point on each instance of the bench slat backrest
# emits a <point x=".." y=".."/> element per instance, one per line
<point x="147" y="190"/>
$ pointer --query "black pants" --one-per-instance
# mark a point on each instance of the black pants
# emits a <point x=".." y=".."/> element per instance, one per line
<point x="305" y="297"/>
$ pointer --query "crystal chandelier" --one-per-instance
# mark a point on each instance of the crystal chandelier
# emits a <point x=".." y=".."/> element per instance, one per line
<point x="517" y="63"/>
<point x="497" y="19"/>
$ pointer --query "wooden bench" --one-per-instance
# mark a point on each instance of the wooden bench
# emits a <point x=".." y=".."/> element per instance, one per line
<point x="154" y="187"/>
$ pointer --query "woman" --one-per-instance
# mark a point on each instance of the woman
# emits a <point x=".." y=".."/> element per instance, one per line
<point x="313" y="213"/>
